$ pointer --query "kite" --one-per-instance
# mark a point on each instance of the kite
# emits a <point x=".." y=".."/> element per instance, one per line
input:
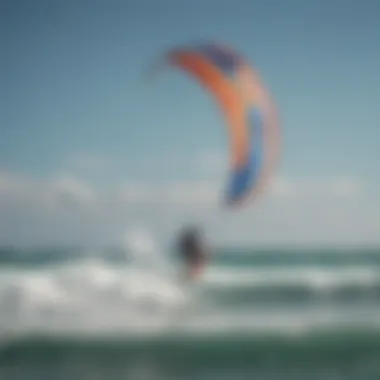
<point x="248" y="110"/>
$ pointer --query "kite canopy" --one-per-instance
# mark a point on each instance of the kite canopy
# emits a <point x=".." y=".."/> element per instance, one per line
<point x="248" y="110"/>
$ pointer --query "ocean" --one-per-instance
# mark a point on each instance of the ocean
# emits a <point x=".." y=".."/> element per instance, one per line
<point x="256" y="314"/>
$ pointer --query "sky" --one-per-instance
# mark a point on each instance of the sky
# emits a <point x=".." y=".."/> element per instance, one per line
<point x="91" y="147"/>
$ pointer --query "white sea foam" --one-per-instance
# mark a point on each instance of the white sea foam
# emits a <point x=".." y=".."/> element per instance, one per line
<point x="94" y="296"/>
<point x="314" y="277"/>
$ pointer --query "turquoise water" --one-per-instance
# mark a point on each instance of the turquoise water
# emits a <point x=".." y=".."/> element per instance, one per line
<point x="256" y="314"/>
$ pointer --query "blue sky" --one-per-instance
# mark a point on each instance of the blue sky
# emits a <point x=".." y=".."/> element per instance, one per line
<point x="76" y="103"/>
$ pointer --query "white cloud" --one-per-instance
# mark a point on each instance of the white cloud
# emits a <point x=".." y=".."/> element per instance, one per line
<point x="317" y="187"/>
<point x="70" y="189"/>
<point x="212" y="162"/>
<point x="10" y="183"/>
<point x="86" y="163"/>
<point x="191" y="193"/>
<point x="174" y="192"/>
<point x="135" y="193"/>
<point x="18" y="188"/>
<point x="300" y="210"/>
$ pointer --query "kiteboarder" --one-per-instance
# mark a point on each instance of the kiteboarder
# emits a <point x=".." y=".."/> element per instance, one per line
<point x="192" y="251"/>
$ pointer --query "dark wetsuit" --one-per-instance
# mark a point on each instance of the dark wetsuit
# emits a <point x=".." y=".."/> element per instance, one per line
<point x="190" y="248"/>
